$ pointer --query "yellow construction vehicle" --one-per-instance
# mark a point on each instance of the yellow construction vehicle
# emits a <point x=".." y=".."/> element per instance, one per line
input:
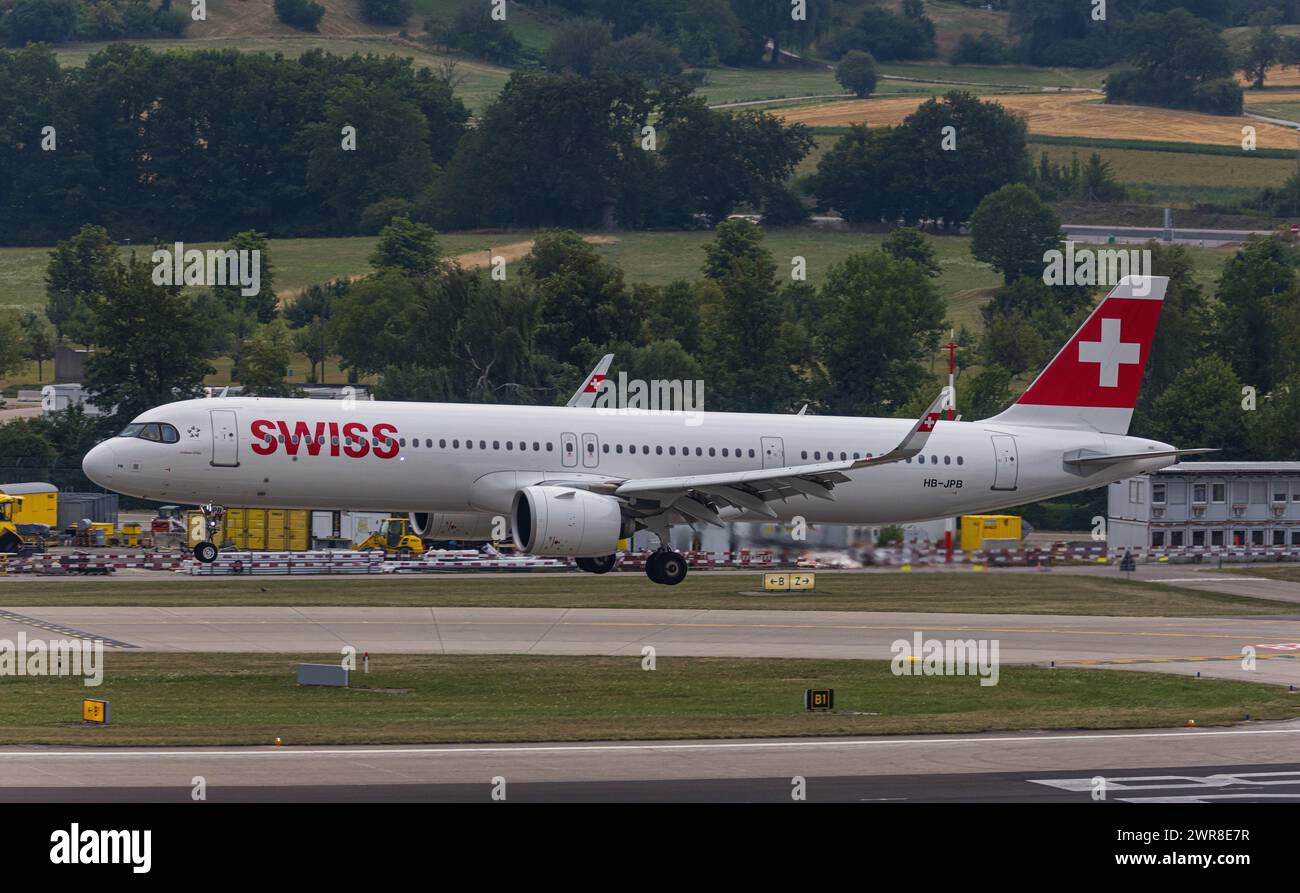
<point x="16" y="537"/>
<point x="393" y="537"/>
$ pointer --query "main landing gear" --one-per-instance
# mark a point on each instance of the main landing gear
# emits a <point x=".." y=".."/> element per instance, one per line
<point x="206" y="551"/>
<point x="666" y="567"/>
<point x="602" y="564"/>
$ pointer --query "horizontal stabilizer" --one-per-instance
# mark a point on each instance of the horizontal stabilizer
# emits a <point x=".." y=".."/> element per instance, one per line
<point x="1092" y="457"/>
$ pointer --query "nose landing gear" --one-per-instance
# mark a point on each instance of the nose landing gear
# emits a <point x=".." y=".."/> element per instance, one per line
<point x="206" y="551"/>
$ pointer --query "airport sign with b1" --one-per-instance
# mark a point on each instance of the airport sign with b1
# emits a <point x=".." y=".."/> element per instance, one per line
<point x="819" y="698"/>
<point x="789" y="582"/>
<point x="94" y="711"/>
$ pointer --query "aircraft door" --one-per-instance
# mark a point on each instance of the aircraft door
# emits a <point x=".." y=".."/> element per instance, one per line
<point x="569" y="449"/>
<point x="1004" y="454"/>
<point x="590" y="450"/>
<point x="773" y="452"/>
<point x="225" y="438"/>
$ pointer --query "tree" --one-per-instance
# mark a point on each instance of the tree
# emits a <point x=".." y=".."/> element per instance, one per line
<point x="1258" y="295"/>
<point x="475" y="31"/>
<point x="392" y="148"/>
<point x="774" y="20"/>
<point x="855" y="176"/>
<point x="1274" y="428"/>
<point x="266" y="361"/>
<point x="14" y="352"/>
<point x="409" y="247"/>
<point x="981" y="49"/>
<point x="746" y="344"/>
<point x="943" y="159"/>
<point x="575" y="45"/>
<point x="386" y="12"/>
<point x="887" y="35"/>
<point x="151" y="343"/>
<point x="712" y="161"/>
<point x="1263" y="52"/>
<point x="1011" y="230"/>
<point x="370" y="324"/>
<point x="302" y="14"/>
<point x="1180" y="61"/>
<point x="583" y="300"/>
<point x="41" y="21"/>
<point x="880" y="315"/>
<point x="642" y="56"/>
<point x="73" y="276"/>
<point x="1185" y="321"/>
<point x="553" y="150"/>
<point x="1011" y="342"/>
<point x="309" y="316"/>
<point x="985" y="395"/>
<point x="1202" y="408"/>
<point x="856" y="73"/>
<point x="733" y="241"/>
<point x="909" y="243"/>
<point x="39" y="337"/>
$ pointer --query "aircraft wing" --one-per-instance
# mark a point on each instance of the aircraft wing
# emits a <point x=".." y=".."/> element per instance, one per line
<point x="698" y="496"/>
<point x="585" y="396"/>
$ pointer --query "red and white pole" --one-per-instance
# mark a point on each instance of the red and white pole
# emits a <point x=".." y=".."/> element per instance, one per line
<point x="952" y="410"/>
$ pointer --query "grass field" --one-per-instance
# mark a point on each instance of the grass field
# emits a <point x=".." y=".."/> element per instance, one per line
<point x="971" y="592"/>
<point x="1008" y="75"/>
<point x="1134" y="166"/>
<point x="251" y="699"/>
<point x="654" y="257"/>
<point x="1287" y="574"/>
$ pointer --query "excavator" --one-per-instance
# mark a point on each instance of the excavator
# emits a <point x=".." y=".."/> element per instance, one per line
<point x="394" y="537"/>
<point x="15" y="538"/>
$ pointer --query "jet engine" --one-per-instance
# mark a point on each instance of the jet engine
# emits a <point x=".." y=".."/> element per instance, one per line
<point x="469" y="526"/>
<point x="561" y="522"/>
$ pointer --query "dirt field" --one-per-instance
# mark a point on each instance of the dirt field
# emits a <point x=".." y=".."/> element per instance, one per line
<point x="1068" y="114"/>
<point x="256" y="18"/>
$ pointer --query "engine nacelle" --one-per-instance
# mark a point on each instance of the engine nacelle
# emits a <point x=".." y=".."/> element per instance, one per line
<point x="472" y="526"/>
<point x="560" y="522"/>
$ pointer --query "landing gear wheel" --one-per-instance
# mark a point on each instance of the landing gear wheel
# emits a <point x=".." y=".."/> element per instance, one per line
<point x="205" y="553"/>
<point x="600" y="565"/>
<point x="667" y="568"/>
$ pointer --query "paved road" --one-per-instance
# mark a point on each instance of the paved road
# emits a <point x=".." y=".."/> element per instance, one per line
<point x="1211" y="238"/>
<point x="1211" y="646"/>
<point x="1193" y="576"/>
<point x="1250" y="762"/>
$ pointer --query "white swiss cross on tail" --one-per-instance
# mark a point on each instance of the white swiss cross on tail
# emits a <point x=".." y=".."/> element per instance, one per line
<point x="1110" y="352"/>
<point x="1093" y="382"/>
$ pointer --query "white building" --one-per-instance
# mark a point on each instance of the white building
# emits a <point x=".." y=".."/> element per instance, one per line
<point x="1207" y="505"/>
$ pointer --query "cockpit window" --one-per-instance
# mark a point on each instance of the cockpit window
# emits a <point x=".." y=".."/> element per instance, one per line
<point x="158" y="432"/>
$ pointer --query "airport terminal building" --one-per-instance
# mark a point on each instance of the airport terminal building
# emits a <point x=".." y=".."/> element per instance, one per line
<point x="1207" y="505"/>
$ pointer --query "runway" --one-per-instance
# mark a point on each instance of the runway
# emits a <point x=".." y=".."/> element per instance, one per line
<point x="1249" y="763"/>
<point x="1211" y="646"/>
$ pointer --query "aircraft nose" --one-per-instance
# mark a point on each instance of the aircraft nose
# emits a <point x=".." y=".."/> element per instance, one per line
<point x="99" y="464"/>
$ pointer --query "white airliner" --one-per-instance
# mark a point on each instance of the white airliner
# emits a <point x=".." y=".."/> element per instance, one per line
<point x="575" y="480"/>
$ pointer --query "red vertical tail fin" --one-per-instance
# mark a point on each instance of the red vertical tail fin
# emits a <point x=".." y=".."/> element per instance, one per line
<point x="1093" y="382"/>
